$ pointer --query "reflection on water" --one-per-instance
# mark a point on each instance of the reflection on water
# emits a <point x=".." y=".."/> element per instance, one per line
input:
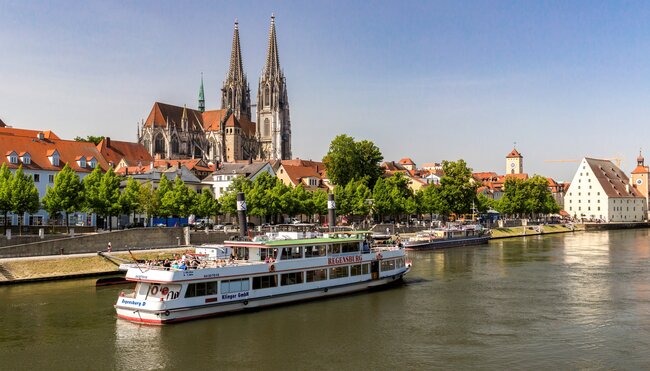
<point x="131" y="341"/>
<point x="566" y="301"/>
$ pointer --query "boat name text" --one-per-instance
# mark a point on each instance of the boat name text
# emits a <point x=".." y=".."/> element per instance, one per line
<point x="344" y="260"/>
<point x="234" y="296"/>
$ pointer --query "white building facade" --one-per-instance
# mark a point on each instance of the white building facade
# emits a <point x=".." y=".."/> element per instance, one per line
<point x="600" y="191"/>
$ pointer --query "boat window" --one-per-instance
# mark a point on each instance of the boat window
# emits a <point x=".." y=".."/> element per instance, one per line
<point x="267" y="253"/>
<point x="292" y="253"/>
<point x="290" y="278"/>
<point x="315" y="251"/>
<point x="365" y="268"/>
<point x="334" y="248"/>
<point x="316" y="275"/>
<point x="350" y="247"/>
<point x="399" y="263"/>
<point x="263" y="282"/>
<point x="339" y="272"/>
<point x="388" y="265"/>
<point x="241" y="253"/>
<point x="201" y="289"/>
<point x="355" y="270"/>
<point x="228" y="286"/>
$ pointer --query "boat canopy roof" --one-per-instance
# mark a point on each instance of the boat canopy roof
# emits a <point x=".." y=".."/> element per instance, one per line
<point x="334" y="237"/>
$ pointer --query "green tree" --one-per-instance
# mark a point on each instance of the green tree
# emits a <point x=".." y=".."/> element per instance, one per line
<point x="149" y="200"/>
<point x="283" y="200"/>
<point x="260" y="199"/>
<point x="24" y="197"/>
<point x="484" y="203"/>
<point x="5" y="191"/>
<point x="303" y="201"/>
<point x="180" y="200"/>
<point x="319" y="199"/>
<point x="456" y="192"/>
<point x="347" y="160"/>
<point x="67" y="194"/>
<point x="130" y="201"/>
<point x="164" y="186"/>
<point x="90" y="138"/>
<point x="228" y="200"/>
<point x="103" y="194"/>
<point x="514" y="197"/>
<point x="206" y="205"/>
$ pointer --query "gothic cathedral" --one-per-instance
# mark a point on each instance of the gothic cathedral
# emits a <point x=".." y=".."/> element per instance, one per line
<point x="227" y="134"/>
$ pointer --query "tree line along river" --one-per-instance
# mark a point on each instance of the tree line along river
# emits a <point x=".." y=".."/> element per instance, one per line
<point x="577" y="300"/>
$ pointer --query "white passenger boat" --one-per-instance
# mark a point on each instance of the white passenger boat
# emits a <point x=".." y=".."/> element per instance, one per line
<point x="270" y="270"/>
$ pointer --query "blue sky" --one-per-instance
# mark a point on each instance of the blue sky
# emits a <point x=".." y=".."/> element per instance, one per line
<point x="430" y="80"/>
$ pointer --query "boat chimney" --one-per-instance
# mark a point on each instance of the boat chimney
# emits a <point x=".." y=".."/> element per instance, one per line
<point x="331" y="212"/>
<point x="241" y="215"/>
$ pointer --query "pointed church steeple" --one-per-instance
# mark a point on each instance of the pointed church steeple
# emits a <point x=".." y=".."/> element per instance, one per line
<point x="273" y="122"/>
<point x="235" y="94"/>
<point x="201" y="96"/>
<point x="272" y="65"/>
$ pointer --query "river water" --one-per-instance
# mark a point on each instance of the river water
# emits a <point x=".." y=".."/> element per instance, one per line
<point x="566" y="301"/>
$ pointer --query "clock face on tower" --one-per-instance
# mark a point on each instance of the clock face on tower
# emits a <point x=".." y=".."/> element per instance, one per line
<point x="512" y="164"/>
<point x="639" y="181"/>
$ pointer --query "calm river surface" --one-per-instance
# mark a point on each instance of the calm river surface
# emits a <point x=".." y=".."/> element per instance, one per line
<point x="564" y="301"/>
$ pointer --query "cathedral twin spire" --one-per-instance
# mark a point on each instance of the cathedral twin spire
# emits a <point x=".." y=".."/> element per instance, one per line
<point x="272" y="66"/>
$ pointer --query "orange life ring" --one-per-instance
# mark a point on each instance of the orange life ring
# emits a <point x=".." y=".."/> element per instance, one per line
<point x="378" y="256"/>
<point x="272" y="268"/>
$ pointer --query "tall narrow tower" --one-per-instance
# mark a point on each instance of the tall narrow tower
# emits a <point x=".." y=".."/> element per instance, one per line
<point x="201" y="96"/>
<point x="235" y="94"/>
<point x="273" y="122"/>
<point x="514" y="162"/>
<point x="641" y="177"/>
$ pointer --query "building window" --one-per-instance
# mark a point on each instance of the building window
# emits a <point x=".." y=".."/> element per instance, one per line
<point x="13" y="159"/>
<point x="37" y="178"/>
<point x="26" y="159"/>
<point x="93" y="163"/>
<point x="50" y="178"/>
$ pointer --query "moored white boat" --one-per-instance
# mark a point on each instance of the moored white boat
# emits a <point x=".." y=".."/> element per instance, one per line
<point x="268" y="271"/>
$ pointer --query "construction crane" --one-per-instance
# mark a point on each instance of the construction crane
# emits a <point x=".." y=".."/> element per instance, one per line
<point x="617" y="160"/>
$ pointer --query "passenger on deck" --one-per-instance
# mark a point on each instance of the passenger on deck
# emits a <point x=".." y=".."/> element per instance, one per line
<point x="183" y="266"/>
<point x="175" y="265"/>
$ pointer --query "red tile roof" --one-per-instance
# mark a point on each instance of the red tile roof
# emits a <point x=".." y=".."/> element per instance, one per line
<point x="406" y="161"/>
<point x="613" y="180"/>
<point x="133" y="153"/>
<point x="161" y="113"/>
<point x="514" y="154"/>
<point x="27" y="133"/>
<point x="641" y="170"/>
<point x="39" y="151"/>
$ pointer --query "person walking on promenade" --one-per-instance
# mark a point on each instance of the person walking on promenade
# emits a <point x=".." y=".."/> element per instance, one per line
<point x="109" y="248"/>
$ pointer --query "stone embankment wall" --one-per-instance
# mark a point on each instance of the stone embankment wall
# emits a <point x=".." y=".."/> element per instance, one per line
<point x="608" y="226"/>
<point x="137" y="238"/>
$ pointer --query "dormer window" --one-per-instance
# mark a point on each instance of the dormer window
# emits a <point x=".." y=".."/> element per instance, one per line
<point x="12" y="157"/>
<point x="92" y="162"/>
<point x="26" y="158"/>
<point x="81" y="161"/>
<point x="53" y="156"/>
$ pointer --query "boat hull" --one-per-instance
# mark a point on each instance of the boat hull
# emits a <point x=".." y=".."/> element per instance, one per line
<point x="157" y="317"/>
<point x="443" y="244"/>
